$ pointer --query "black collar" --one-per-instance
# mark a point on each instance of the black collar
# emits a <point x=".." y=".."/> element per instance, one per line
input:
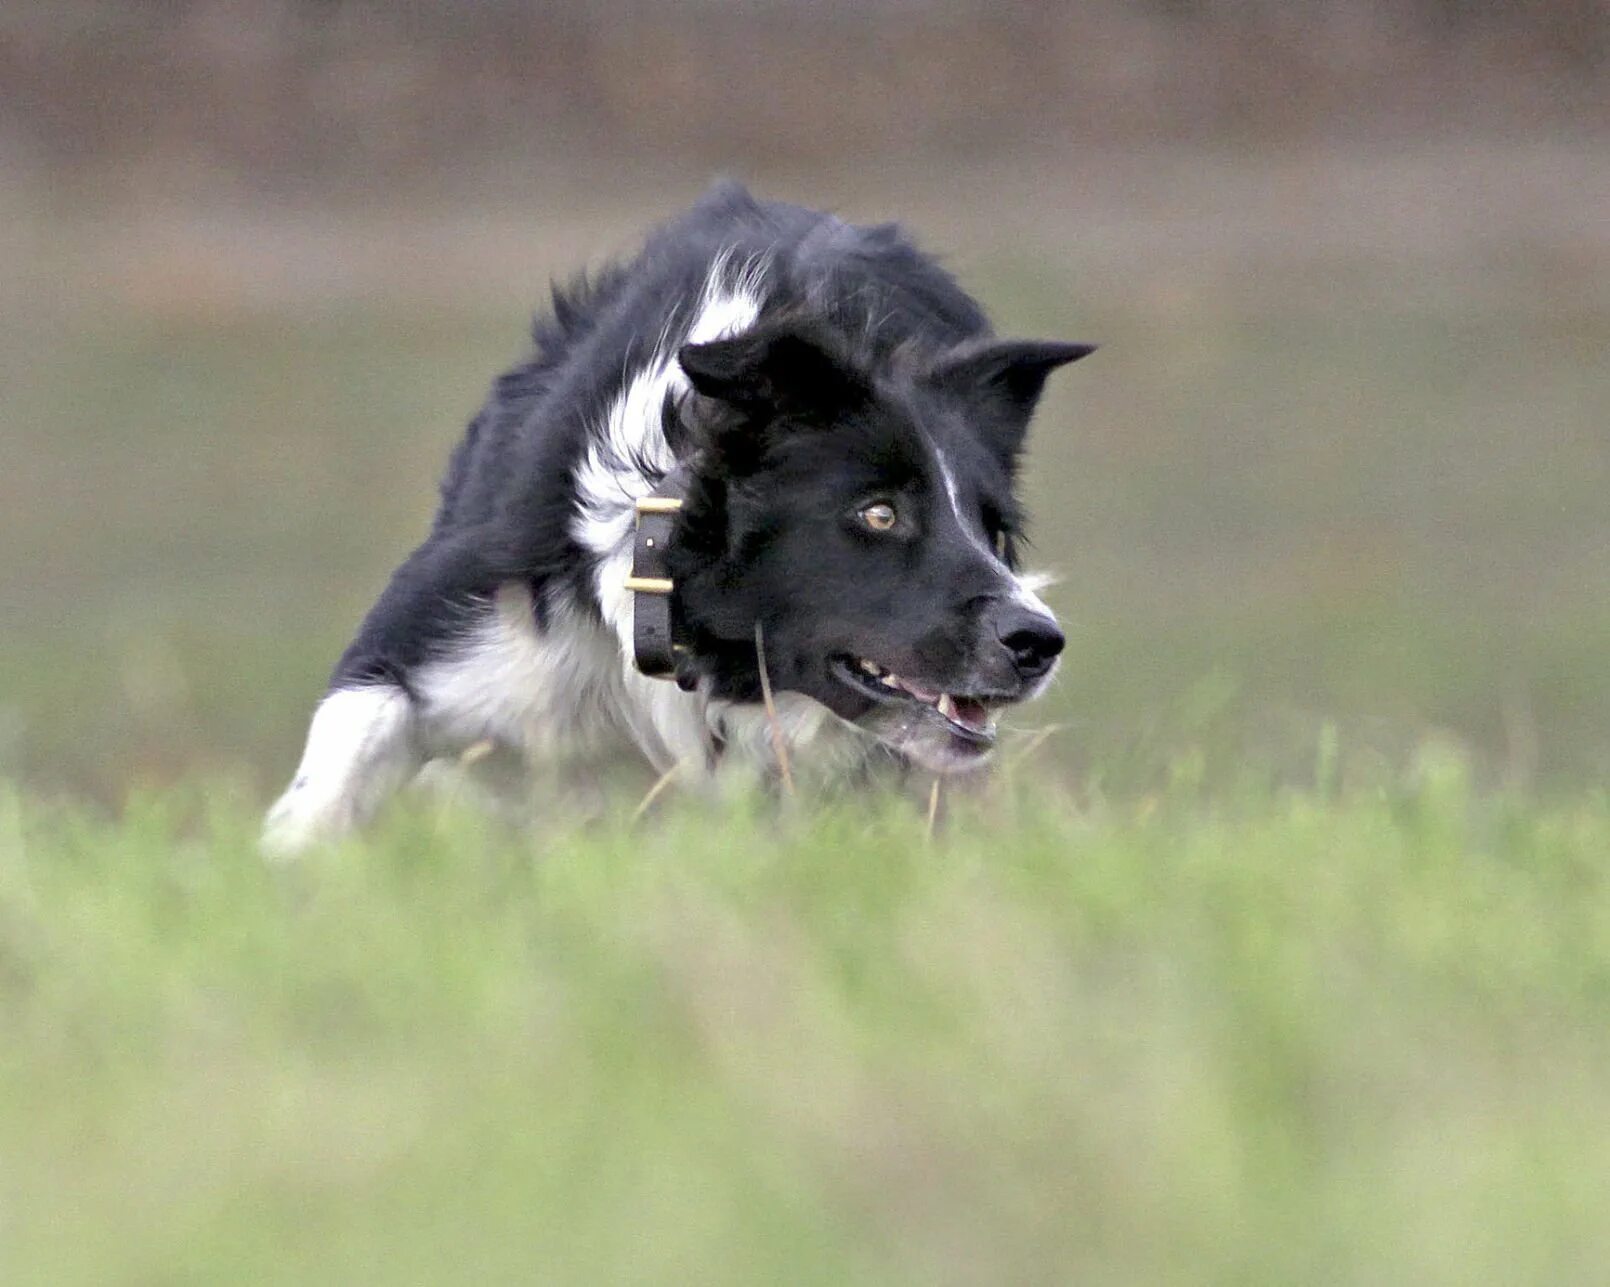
<point x="654" y="634"/>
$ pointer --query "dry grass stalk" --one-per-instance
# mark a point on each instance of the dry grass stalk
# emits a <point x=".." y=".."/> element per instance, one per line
<point x="779" y="744"/>
<point x="655" y="791"/>
<point x="933" y="809"/>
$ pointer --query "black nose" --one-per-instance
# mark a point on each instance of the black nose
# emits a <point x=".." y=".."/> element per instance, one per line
<point x="1031" y="637"/>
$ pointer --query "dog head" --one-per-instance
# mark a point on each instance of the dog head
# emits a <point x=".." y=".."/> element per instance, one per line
<point x="863" y="513"/>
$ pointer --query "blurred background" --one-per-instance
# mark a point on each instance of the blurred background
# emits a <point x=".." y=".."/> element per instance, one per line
<point x="1338" y="481"/>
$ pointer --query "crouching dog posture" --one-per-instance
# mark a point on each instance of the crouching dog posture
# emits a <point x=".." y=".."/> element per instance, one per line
<point x="771" y="428"/>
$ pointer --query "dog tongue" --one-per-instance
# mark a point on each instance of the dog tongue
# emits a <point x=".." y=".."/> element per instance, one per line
<point x="971" y="713"/>
<point x="919" y="692"/>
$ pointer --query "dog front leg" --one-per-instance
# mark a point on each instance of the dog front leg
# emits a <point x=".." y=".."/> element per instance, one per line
<point x="361" y="747"/>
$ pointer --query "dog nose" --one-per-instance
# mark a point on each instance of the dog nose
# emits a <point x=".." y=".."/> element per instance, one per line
<point x="1031" y="637"/>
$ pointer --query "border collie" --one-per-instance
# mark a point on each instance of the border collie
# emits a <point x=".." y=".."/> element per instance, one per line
<point x="750" y="498"/>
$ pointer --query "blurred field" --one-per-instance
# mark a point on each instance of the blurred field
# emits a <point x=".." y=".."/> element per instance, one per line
<point x="1342" y="463"/>
<point x="1287" y="1039"/>
<point x="1284" y="959"/>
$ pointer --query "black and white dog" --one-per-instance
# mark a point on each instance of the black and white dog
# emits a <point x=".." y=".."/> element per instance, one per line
<point x="771" y="434"/>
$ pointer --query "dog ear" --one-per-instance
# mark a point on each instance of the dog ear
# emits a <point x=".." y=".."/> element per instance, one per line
<point x="773" y="369"/>
<point x="1005" y="378"/>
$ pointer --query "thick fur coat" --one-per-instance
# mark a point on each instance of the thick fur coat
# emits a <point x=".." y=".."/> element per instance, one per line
<point x="848" y="430"/>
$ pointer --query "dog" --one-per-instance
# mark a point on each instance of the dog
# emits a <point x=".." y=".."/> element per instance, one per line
<point x="750" y="499"/>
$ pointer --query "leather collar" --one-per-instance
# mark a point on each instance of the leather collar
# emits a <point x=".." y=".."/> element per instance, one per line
<point x="654" y="607"/>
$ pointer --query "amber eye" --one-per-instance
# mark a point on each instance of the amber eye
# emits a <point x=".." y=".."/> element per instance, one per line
<point x="879" y="517"/>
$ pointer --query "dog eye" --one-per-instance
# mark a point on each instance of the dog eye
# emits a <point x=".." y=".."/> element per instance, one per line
<point x="879" y="517"/>
<point x="1004" y="541"/>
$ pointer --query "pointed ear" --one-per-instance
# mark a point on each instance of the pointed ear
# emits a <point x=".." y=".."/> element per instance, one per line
<point x="776" y="369"/>
<point x="1005" y="378"/>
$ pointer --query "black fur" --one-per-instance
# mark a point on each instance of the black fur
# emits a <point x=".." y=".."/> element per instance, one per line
<point x="869" y="378"/>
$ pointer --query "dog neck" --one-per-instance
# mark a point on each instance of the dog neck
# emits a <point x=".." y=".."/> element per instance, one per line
<point x="657" y="647"/>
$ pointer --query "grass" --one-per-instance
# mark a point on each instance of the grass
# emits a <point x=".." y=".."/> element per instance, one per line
<point x="1292" y="966"/>
<point x="1285" y="1037"/>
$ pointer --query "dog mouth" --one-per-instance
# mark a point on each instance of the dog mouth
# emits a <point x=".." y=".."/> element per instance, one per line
<point x="966" y="716"/>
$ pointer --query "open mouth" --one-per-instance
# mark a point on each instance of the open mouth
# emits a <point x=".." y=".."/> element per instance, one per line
<point x="966" y="716"/>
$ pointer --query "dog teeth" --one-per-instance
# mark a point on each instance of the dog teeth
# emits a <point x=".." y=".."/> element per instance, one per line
<point x="944" y="703"/>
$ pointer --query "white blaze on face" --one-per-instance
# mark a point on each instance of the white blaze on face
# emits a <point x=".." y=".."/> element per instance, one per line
<point x="1024" y="587"/>
<point x="1029" y="585"/>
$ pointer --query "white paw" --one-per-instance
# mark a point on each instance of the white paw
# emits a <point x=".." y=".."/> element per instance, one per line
<point x="359" y="750"/>
<point x="299" y="820"/>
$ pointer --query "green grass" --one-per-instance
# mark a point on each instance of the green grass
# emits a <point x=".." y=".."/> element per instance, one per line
<point x="1293" y="968"/>
<point x="1277" y="1038"/>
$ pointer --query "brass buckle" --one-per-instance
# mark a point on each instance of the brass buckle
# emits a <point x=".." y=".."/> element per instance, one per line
<point x="653" y="505"/>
